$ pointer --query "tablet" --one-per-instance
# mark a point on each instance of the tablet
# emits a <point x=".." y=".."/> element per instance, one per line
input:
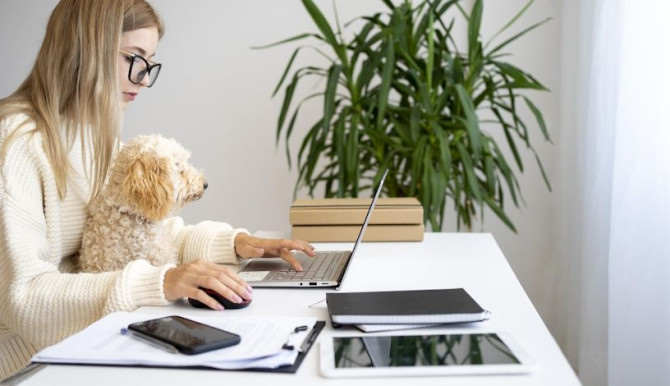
<point x="417" y="355"/>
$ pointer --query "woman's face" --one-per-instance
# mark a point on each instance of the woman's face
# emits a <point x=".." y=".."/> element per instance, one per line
<point x="141" y="42"/>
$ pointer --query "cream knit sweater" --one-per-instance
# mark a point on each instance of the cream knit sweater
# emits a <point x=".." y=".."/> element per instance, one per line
<point x="42" y="300"/>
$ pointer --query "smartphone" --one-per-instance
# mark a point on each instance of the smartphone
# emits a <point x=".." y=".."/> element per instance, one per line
<point x="185" y="335"/>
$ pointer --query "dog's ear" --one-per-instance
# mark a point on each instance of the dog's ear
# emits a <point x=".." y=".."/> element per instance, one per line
<point x="149" y="186"/>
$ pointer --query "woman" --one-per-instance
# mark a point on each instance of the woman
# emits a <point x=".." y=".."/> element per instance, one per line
<point x="58" y="134"/>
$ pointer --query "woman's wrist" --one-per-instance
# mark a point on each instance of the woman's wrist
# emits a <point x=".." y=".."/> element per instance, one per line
<point x="238" y="241"/>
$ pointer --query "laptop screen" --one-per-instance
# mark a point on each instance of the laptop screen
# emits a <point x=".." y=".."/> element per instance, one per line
<point x="365" y="224"/>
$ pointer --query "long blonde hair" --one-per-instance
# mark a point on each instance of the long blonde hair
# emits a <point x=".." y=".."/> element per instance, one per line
<point x="73" y="90"/>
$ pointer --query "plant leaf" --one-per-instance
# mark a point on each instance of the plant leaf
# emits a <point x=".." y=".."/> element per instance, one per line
<point x="286" y="71"/>
<point x="469" y="169"/>
<point x="538" y="117"/>
<point x="288" y="97"/>
<point x="512" y="21"/>
<point x="324" y="27"/>
<point x="474" y="25"/>
<point x="515" y="37"/>
<point x="329" y="95"/>
<point x="291" y="39"/>
<point x="471" y="121"/>
<point x="500" y="213"/>
<point x="385" y="86"/>
<point x="544" y="174"/>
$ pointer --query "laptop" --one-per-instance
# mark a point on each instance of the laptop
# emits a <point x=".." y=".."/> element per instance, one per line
<point x="326" y="269"/>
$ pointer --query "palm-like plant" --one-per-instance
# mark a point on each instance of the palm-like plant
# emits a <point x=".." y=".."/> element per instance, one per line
<point x="400" y="95"/>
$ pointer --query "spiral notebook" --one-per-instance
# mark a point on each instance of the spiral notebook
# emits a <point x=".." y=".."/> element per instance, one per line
<point x="433" y="306"/>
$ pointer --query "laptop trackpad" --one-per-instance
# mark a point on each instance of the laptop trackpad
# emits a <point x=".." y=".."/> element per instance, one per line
<point x="253" y="275"/>
<point x="267" y="264"/>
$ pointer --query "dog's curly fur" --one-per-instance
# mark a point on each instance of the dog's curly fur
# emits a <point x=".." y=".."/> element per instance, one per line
<point x="150" y="179"/>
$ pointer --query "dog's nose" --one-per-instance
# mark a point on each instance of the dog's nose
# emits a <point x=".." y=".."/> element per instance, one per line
<point x="205" y="185"/>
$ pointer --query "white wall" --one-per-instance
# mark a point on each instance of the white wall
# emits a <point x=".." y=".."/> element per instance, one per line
<point x="213" y="95"/>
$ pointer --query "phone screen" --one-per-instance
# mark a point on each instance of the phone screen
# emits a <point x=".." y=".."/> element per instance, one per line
<point x="187" y="336"/>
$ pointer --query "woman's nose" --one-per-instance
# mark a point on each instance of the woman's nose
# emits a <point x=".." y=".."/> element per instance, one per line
<point x="145" y="81"/>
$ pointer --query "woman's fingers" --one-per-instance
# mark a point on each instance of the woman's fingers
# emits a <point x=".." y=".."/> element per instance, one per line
<point x="207" y="300"/>
<point x="249" y="246"/>
<point x="304" y="246"/>
<point x="275" y="247"/>
<point x="232" y="287"/>
<point x="283" y="248"/>
<point x="290" y="258"/>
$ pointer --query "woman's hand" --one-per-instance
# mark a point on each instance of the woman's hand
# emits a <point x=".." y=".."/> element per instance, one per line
<point x="187" y="279"/>
<point x="248" y="246"/>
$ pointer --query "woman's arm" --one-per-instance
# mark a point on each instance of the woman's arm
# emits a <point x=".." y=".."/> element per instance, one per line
<point x="38" y="302"/>
<point x="200" y="247"/>
<point x="43" y="305"/>
<point x="209" y="240"/>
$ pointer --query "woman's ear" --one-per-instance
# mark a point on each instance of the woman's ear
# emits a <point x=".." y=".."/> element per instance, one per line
<point x="148" y="185"/>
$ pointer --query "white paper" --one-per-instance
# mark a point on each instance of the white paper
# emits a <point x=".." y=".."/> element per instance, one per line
<point x="260" y="346"/>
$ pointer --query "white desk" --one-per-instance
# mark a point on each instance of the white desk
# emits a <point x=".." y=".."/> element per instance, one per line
<point x="442" y="260"/>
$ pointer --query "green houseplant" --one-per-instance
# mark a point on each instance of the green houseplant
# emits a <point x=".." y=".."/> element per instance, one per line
<point x="401" y="95"/>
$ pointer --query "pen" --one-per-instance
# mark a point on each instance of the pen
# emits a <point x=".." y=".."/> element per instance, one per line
<point x="150" y="340"/>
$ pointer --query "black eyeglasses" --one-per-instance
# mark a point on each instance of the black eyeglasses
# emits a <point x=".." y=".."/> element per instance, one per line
<point x="140" y="67"/>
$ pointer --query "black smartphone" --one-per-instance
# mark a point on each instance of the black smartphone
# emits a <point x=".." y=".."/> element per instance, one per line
<point x="185" y="335"/>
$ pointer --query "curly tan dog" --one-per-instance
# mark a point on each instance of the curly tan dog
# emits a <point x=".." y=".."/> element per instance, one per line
<point x="150" y="180"/>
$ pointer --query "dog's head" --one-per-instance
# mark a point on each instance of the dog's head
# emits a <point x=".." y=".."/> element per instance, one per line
<point x="154" y="177"/>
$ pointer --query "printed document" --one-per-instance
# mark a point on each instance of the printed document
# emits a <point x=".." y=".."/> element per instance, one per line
<point x="260" y="347"/>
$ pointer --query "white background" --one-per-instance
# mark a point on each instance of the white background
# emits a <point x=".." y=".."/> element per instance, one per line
<point x="213" y="95"/>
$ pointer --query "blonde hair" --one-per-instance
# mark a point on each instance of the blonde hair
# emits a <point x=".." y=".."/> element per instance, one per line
<point x="73" y="90"/>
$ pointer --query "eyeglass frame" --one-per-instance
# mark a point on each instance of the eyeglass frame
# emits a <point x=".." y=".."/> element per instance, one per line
<point x="147" y="72"/>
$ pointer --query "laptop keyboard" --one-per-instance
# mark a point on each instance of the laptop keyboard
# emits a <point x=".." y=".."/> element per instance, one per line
<point x="320" y="267"/>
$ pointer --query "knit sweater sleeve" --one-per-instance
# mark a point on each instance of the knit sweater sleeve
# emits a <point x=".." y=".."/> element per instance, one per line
<point x="210" y="240"/>
<point x="38" y="302"/>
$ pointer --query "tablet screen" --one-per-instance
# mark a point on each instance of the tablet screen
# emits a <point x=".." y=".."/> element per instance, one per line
<point x="421" y="351"/>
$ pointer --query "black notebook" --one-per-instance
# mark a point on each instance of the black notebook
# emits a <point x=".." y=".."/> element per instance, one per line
<point x="404" y="307"/>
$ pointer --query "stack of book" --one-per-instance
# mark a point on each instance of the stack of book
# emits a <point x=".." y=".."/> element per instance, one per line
<point x="340" y="219"/>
